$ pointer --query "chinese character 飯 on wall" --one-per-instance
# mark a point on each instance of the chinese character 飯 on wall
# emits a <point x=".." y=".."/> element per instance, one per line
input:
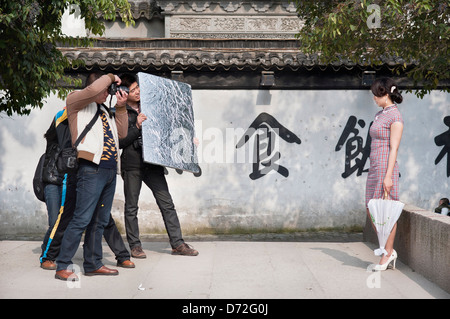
<point x="355" y="150"/>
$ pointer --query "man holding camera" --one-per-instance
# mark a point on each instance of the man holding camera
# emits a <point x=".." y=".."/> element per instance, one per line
<point x="98" y="166"/>
<point x="135" y="171"/>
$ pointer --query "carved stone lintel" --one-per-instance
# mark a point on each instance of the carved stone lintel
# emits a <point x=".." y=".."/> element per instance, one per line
<point x="230" y="19"/>
<point x="234" y="26"/>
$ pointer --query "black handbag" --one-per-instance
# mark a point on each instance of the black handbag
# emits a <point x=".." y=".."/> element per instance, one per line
<point x="68" y="157"/>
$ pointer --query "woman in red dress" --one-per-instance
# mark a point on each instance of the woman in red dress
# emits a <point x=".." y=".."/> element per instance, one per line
<point x="386" y="133"/>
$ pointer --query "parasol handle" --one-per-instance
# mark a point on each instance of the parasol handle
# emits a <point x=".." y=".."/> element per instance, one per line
<point x="386" y="195"/>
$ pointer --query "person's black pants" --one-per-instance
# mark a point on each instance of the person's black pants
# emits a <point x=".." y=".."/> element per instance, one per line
<point x="153" y="176"/>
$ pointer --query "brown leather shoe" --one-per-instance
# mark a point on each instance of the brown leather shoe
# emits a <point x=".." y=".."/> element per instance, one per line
<point x="48" y="265"/>
<point x="102" y="271"/>
<point x="185" y="250"/>
<point x="66" y="275"/>
<point x="126" y="264"/>
<point x="137" y="252"/>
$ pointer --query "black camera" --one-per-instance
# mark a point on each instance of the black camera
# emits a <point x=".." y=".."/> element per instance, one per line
<point x="113" y="88"/>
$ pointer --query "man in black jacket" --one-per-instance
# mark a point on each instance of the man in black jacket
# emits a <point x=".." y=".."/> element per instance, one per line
<point x="135" y="171"/>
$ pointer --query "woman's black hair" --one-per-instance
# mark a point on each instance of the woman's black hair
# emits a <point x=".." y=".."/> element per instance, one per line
<point x="383" y="86"/>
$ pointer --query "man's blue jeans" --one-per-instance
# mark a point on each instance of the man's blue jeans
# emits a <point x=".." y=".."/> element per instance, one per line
<point x="52" y="195"/>
<point x="95" y="192"/>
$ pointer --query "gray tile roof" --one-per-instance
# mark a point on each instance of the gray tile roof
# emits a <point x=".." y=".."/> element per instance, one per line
<point x="204" y="53"/>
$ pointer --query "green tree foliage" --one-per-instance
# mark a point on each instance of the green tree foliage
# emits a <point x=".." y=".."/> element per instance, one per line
<point x="30" y="32"/>
<point x="415" y="34"/>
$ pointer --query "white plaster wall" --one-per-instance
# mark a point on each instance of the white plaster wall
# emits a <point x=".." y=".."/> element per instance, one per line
<point x="314" y="195"/>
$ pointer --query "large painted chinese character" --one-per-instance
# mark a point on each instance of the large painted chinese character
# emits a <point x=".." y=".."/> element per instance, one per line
<point x="266" y="128"/>
<point x="444" y="140"/>
<point x="354" y="147"/>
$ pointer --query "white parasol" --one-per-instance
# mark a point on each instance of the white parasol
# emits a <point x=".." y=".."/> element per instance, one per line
<point x="384" y="214"/>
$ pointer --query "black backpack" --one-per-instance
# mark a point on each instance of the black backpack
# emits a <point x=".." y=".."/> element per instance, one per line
<point x="46" y="170"/>
<point x="38" y="184"/>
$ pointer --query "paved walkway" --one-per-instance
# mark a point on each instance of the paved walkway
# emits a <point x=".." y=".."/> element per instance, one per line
<point x="223" y="270"/>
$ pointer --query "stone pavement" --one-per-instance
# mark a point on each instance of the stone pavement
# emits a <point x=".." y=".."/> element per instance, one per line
<point x="224" y="269"/>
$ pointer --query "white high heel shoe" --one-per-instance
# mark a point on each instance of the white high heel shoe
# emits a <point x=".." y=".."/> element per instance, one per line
<point x="392" y="258"/>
